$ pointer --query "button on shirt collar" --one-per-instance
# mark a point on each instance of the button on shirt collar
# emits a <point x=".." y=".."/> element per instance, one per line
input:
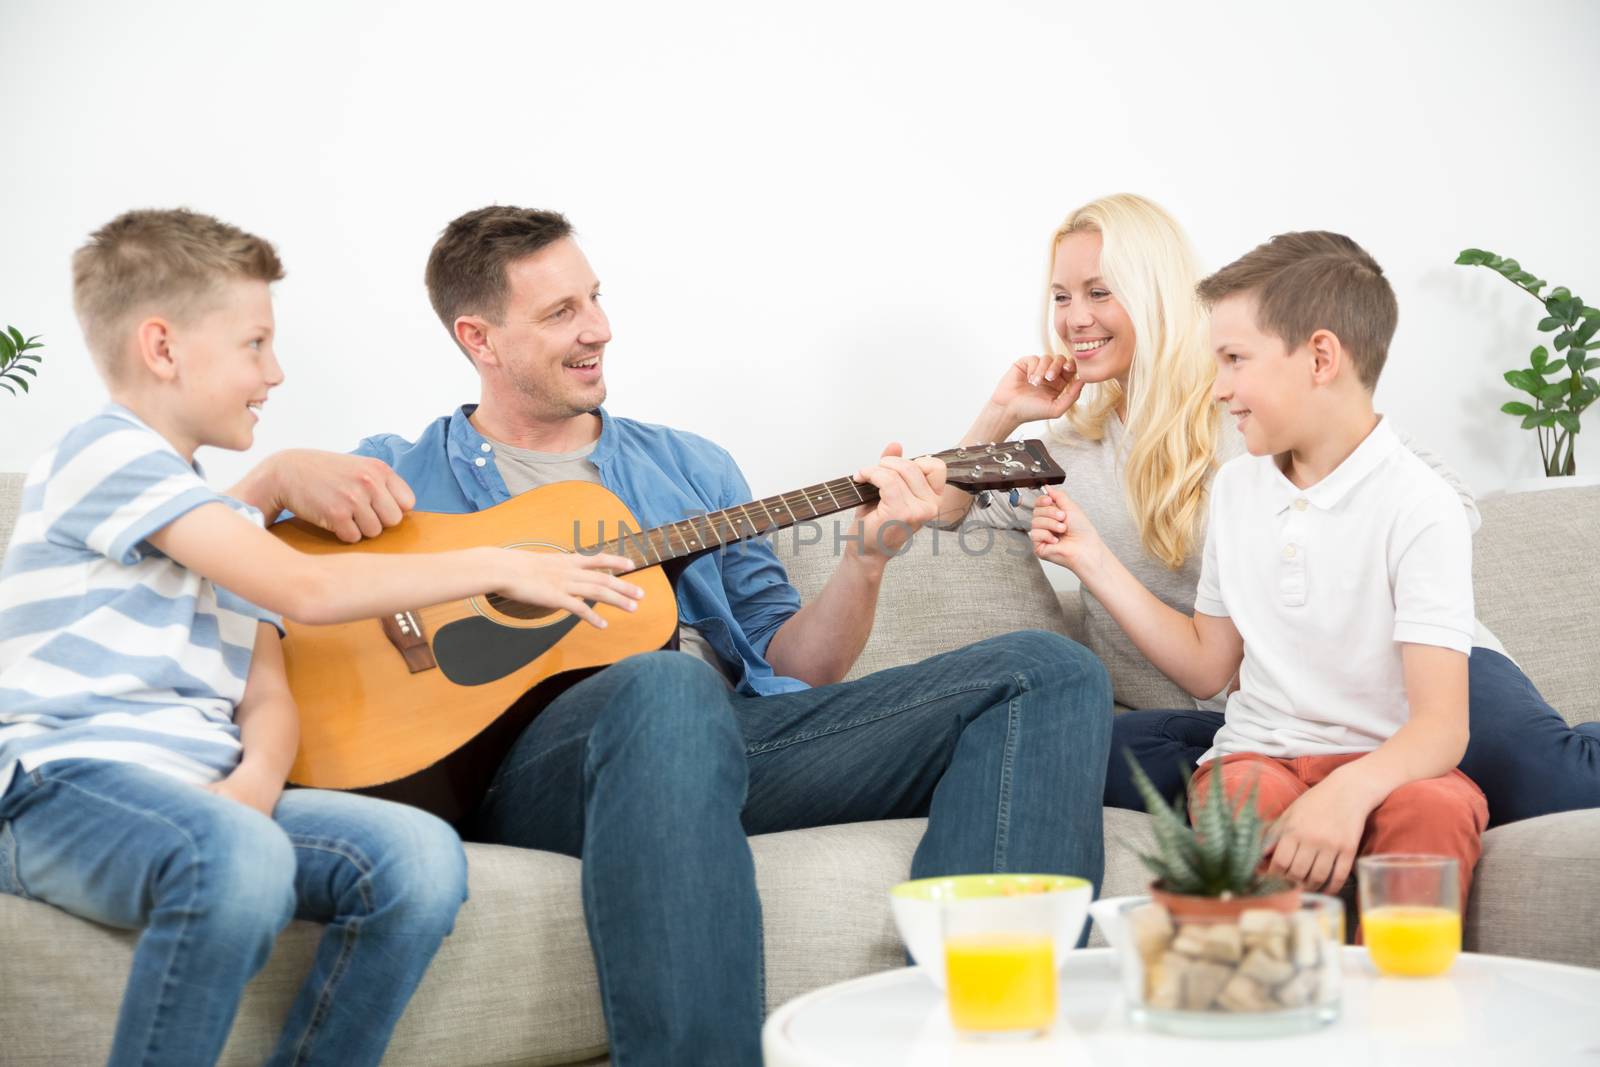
<point x="1326" y="494"/>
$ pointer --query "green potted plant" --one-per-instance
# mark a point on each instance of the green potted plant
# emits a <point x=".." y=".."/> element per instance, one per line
<point x="18" y="356"/>
<point x="1560" y="386"/>
<point x="1221" y="948"/>
<point x="1210" y="870"/>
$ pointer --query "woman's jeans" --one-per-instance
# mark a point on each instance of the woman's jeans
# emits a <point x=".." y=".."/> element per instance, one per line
<point x="654" y="772"/>
<point x="1522" y="754"/>
<point x="211" y="883"/>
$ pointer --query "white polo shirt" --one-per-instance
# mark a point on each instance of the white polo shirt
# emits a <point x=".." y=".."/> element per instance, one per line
<point x="1324" y="584"/>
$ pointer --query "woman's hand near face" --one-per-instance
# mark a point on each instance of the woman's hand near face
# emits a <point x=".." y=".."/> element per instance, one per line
<point x="1036" y="387"/>
<point x="1033" y="388"/>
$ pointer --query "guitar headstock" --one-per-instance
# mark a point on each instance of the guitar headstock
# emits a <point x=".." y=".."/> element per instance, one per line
<point x="1002" y="465"/>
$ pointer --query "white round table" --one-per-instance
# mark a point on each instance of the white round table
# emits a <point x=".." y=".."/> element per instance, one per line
<point x="1487" y="1010"/>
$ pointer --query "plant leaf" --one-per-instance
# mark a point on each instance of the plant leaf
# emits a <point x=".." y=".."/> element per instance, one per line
<point x="1553" y="392"/>
<point x="1568" y="421"/>
<point x="8" y="351"/>
<point x="1212" y="822"/>
<point x="1472" y="257"/>
<point x="1245" y="847"/>
<point x="20" y="383"/>
<point x="1531" y="421"/>
<point x="1178" y="849"/>
<point x="16" y="336"/>
<point x="1563" y="339"/>
<point x="1550" y="322"/>
<point x="1516" y="407"/>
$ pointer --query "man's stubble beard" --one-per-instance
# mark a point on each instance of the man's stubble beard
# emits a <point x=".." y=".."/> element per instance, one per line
<point x="550" y="405"/>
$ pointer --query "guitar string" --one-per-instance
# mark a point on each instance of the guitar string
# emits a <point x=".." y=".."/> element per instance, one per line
<point x="657" y="541"/>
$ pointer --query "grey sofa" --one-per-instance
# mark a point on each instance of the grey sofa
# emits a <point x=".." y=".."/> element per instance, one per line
<point x="514" y="984"/>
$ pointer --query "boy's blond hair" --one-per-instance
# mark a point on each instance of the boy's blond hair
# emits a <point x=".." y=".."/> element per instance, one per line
<point x="158" y="262"/>
<point x="1316" y="280"/>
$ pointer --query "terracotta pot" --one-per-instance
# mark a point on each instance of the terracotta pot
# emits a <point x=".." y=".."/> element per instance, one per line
<point x="1215" y="909"/>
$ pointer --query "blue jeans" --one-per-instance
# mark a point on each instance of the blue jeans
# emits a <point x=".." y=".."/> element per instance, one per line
<point x="654" y="772"/>
<point x="1522" y="754"/>
<point x="211" y="882"/>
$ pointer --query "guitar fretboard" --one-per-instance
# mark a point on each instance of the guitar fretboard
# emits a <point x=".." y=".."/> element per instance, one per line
<point x="701" y="533"/>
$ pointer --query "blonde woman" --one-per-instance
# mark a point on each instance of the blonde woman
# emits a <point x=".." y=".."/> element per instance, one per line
<point x="1127" y="387"/>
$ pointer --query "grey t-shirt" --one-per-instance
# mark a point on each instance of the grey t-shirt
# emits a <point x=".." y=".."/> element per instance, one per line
<point x="523" y="469"/>
<point x="1095" y="480"/>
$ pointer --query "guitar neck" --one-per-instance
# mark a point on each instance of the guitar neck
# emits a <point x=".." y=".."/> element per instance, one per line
<point x="702" y="533"/>
<point x="997" y="465"/>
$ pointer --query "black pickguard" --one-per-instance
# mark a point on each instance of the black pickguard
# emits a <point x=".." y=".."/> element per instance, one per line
<point x="476" y="651"/>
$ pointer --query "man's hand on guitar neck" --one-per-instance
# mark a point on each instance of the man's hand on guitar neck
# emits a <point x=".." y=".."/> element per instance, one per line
<point x="352" y="497"/>
<point x="908" y="499"/>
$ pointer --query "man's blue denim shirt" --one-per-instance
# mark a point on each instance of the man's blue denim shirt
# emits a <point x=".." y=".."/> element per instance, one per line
<point x="736" y="597"/>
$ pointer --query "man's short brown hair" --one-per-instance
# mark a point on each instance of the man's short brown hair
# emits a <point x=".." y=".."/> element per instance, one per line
<point x="467" y="268"/>
<point x="1305" y="282"/>
<point x="158" y="262"/>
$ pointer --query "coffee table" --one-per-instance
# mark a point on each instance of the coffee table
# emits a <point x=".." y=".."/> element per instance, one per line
<point x="1487" y="1010"/>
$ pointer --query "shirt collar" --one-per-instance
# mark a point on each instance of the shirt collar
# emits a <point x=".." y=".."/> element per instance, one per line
<point x="1326" y="494"/>
<point x="119" y="411"/>
<point x="466" y="441"/>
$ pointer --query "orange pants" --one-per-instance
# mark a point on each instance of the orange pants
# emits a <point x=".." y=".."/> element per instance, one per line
<point x="1443" y="816"/>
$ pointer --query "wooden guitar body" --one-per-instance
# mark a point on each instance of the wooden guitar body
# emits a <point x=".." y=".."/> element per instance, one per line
<point x="375" y="717"/>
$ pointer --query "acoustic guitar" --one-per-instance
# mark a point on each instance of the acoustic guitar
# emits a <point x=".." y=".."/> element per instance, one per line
<point x="421" y="706"/>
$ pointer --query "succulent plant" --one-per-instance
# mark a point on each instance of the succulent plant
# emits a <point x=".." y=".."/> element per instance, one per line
<point x="1219" y="856"/>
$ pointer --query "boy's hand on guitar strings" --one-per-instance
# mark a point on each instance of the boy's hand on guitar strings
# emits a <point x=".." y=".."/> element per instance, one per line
<point x="569" y="581"/>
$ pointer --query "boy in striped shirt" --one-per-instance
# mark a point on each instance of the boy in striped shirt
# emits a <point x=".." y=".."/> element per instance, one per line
<point x="146" y="726"/>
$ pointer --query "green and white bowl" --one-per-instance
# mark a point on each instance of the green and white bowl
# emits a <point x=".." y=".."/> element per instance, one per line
<point x="917" y="909"/>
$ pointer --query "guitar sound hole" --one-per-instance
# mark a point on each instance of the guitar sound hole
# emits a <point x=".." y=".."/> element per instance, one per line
<point x="517" y="609"/>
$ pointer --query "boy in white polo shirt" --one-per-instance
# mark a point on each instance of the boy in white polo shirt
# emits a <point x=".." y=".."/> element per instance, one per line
<point x="1336" y="580"/>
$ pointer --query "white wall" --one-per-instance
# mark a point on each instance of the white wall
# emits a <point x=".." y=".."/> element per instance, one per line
<point x="820" y="226"/>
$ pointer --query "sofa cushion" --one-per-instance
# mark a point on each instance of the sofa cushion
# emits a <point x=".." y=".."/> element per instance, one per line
<point x="939" y="594"/>
<point x="1536" y="892"/>
<point x="1536" y="582"/>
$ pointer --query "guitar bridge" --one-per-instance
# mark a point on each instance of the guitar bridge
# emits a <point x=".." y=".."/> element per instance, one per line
<point x="404" y="631"/>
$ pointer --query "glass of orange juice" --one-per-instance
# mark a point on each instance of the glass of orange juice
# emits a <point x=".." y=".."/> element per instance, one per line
<point x="1000" y="965"/>
<point x="1410" y="913"/>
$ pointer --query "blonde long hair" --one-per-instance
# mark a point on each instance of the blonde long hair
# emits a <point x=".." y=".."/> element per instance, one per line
<point x="1151" y="268"/>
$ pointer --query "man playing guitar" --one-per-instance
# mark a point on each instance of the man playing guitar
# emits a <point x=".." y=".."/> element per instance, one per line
<point x="654" y="769"/>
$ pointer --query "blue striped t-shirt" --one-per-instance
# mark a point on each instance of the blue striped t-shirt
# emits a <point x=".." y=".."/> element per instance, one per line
<point x="108" y="649"/>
